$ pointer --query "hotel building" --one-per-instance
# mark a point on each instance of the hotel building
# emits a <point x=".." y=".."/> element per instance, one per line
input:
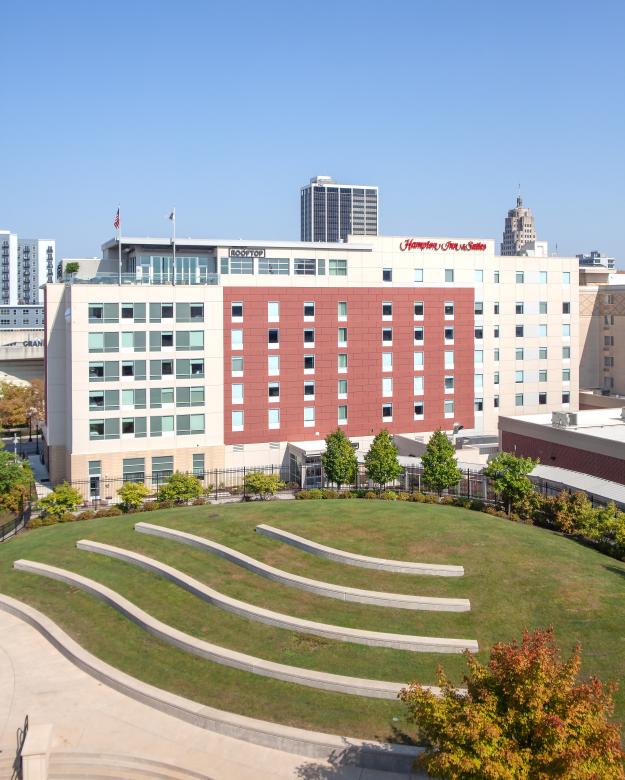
<point x="250" y="346"/>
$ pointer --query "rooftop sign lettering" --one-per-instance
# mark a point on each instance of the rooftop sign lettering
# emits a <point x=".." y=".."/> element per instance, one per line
<point x="246" y="252"/>
<point x="442" y="246"/>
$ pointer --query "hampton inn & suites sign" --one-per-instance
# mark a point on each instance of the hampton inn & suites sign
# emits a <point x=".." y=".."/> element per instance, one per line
<point x="442" y="246"/>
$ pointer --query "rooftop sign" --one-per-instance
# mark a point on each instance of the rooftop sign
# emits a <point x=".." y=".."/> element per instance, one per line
<point x="442" y="246"/>
<point x="246" y="252"/>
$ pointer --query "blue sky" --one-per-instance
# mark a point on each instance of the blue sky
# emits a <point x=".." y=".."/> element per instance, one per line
<point x="225" y="109"/>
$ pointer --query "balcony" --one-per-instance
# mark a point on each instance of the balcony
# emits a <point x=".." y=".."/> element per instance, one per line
<point x="136" y="277"/>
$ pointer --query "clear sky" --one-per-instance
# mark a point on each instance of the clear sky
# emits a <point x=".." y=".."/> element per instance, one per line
<point x="224" y="109"/>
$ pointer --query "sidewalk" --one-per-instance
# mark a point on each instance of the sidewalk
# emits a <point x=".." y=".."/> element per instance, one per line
<point x="40" y="473"/>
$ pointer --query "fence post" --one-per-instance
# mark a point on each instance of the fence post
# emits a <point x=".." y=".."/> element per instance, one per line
<point x="244" y="486"/>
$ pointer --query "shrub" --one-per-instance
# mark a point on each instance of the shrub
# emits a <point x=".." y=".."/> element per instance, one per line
<point x="370" y="494"/>
<point x="111" y="511"/>
<point x="309" y="495"/>
<point x="403" y="496"/>
<point x="465" y="503"/>
<point x="346" y="494"/>
<point x="388" y="495"/>
<point x="64" y="498"/>
<point x="67" y="517"/>
<point x="133" y="494"/>
<point x="448" y="500"/>
<point x="199" y="501"/>
<point x="166" y="504"/>
<point x="476" y="505"/>
<point x="428" y="498"/>
<point x="181" y="488"/>
<point x="263" y="485"/>
<point x="34" y="522"/>
<point x="360" y="493"/>
<point x="329" y="493"/>
<point x="150" y="506"/>
<point x="88" y="514"/>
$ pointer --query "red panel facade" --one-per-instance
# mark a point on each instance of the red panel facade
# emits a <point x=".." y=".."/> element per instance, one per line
<point x="364" y="325"/>
<point x="549" y="454"/>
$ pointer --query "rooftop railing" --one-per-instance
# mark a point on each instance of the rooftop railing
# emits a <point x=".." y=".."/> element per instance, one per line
<point x="136" y="277"/>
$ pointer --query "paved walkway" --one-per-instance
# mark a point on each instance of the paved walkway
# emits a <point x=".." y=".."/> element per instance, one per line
<point x="40" y="472"/>
<point x="87" y="716"/>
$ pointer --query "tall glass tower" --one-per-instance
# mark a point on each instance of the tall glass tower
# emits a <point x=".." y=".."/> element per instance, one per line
<point x="330" y="211"/>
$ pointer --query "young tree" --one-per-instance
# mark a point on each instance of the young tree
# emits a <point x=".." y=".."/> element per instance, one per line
<point x="440" y="468"/>
<point x="381" y="461"/>
<point x="133" y="494"/>
<point x="263" y="485"/>
<point x="181" y="488"/>
<point x="16" y="478"/>
<point x="524" y="715"/>
<point x="509" y="477"/>
<point x="339" y="460"/>
<point x="64" y="498"/>
<point x="72" y="268"/>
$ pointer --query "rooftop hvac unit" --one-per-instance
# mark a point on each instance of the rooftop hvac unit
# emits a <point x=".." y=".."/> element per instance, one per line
<point x="563" y="419"/>
<point x="623" y="413"/>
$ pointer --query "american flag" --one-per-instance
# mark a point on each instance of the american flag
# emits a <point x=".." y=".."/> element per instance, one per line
<point x="116" y="221"/>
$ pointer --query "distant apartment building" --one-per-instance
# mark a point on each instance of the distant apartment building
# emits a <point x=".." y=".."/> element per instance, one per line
<point x="27" y="263"/>
<point x="519" y="230"/>
<point x="596" y="259"/>
<point x="246" y="348"/>
<point x="330" y="211"/>
<point x="21" y="317"/>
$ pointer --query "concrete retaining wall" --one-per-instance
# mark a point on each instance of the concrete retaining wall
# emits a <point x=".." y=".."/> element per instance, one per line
<point x="423" y="644"/>
<point x="363" y="561"/>
<point x="340" y="750"/>
<point x="344" y="593"/>
<point x="378" y="689"/>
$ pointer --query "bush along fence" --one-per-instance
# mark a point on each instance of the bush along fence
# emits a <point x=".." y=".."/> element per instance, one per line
<point x="9" y="528"/>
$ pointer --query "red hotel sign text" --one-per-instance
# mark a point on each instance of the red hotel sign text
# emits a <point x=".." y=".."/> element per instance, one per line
<point x="447" y="246"/>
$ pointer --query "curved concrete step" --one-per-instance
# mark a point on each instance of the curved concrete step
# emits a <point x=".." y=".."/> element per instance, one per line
<point x="342" y="751"/>
<point x="344" y="593"/>
<point x="357" y="686"/>
<point x="363" y="561"/>
<point x="420" y="644"/>
<point x="64" y="766"/>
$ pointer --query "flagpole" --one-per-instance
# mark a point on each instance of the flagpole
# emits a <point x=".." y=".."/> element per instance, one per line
<point x="119" y="245"/>
<point x="174" y="241"/>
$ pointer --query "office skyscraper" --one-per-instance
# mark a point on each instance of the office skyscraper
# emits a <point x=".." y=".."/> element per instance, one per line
<point x="519" y="230"/>
<point x="331" y="211"/>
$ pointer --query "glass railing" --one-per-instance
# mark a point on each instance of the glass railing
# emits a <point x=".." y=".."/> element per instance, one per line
<point x="109" y="277"/>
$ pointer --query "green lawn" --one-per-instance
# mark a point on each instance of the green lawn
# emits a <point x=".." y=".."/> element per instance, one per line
<point x="516" y="576"/>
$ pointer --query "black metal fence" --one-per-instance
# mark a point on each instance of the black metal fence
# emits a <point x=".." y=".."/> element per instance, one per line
<point x="11" y="527"/>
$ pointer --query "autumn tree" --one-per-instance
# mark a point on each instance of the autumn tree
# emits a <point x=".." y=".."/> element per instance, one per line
<point x="524" y="715"/>
<point x="19" y="402"/>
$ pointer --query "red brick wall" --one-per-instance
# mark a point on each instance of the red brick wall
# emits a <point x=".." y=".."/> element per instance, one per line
<point x="565" y="457"/>
<point x="364" y="348"/>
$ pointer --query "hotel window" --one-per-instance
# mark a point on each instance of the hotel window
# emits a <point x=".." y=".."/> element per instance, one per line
<point x="478" y="405"/>
<point x="309" y="363"/>
<point x="496" y="355"/>
<point x="309" y="310"/>
<point x="161" y="311"/>
<point x="189" y="312"/>
<point x="542" y="277"/>
<point x="236" y="366"/>
<point x="342" y="337"/>
<point x="309" y="416"/>
<point x="449" y="275"/>
<point x="448" y="334"/>
<point x="566" y="307"/>
<point x="133" y="469"/>
<point x="418" y="407"/>
<point x="273" y="365"/>
<point x="304" y="267"/>
<point x="387" y="386"/>
<point x="496" y="308"/>
<point x="133" y="311"/>
<point x="103" y="429"/>
<point x="273" y="418"/>
<point x="309" y="336"/>
<point x="337" y="267"/>
<point x="478" y="381"/>
<point x="566" y="277"/>
<point x="342" y="388"/>
<point x="189" y="339"/>
<point x="418" y="309"/>
<point x="236" y="339"/>
<point x="273" y="391"/>
<point x="496" y="401"/>
<point x="478" y="275"/>
<point x="520" y="277"/>
<point x="519" y="307"/>
<point x="519" y="331"/>
<point x="496" y="378"/>
<point x="566" y="352"/>
<point x="161" y="396"/>
<point x="417" y="361"/>
<point x="133" y="340"/>
<point x="542" y="307"/>
<point x="189" y="424"/>
<point x="542" y="399"/>
<point x="519" y="353"/>
<point x="162" y="426"/>
<point x="238" y="265"/>
<point x="108" y="371"/>
<point x="418" y="385"/>
<point x="237" y="394"/>
<point x="387" y="335"/>
<point x="608" y="362"/>
<point x="478" y="356"/>
<point x="478" y="307"/>
<point x="479" y="333"/>
<point x="496" y="331"/>
<point x="273" y="311"/>
<point x="134" y="398"/>
<point x="134" y="426"/>
<point x="496" y="277"/>
<point x="449" y="407"/>
<point x="418" y="275"/>
<point x="103" y="400"/>
<point x="387" y="361"/>
<point x="566" y="374"/>
<point x="448" y="308"/>
<point x="518" y="376"/>
<point x="104" y="342"/>
<point x="342" y="414"/>
<point x="542" y="353"/>
<point x="161" y="368"/>
<point x="566" y="330"/>
<point x="518" y="399"/>
<point x="275" y="266"/>
<point x="162" y="467"/>
<point x="387" y="412"/>
<point x="103" y="312"/>
<point x="237" y="420"/>
<point x="387" y="274"/>
<point x="418" y="335"/>
<point x="542" y="375"/>
<point x="309" y="390"/>
<point x="449" y="384"/>
<point x="273" y="337"/>
<point x="542" y="330"/>
<point x="342" y="362"/>
<point x="566" y="398"/>
<point x="449" y="358"/>
<point x="387" y="310"/>
<point x="342" y="310"/>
